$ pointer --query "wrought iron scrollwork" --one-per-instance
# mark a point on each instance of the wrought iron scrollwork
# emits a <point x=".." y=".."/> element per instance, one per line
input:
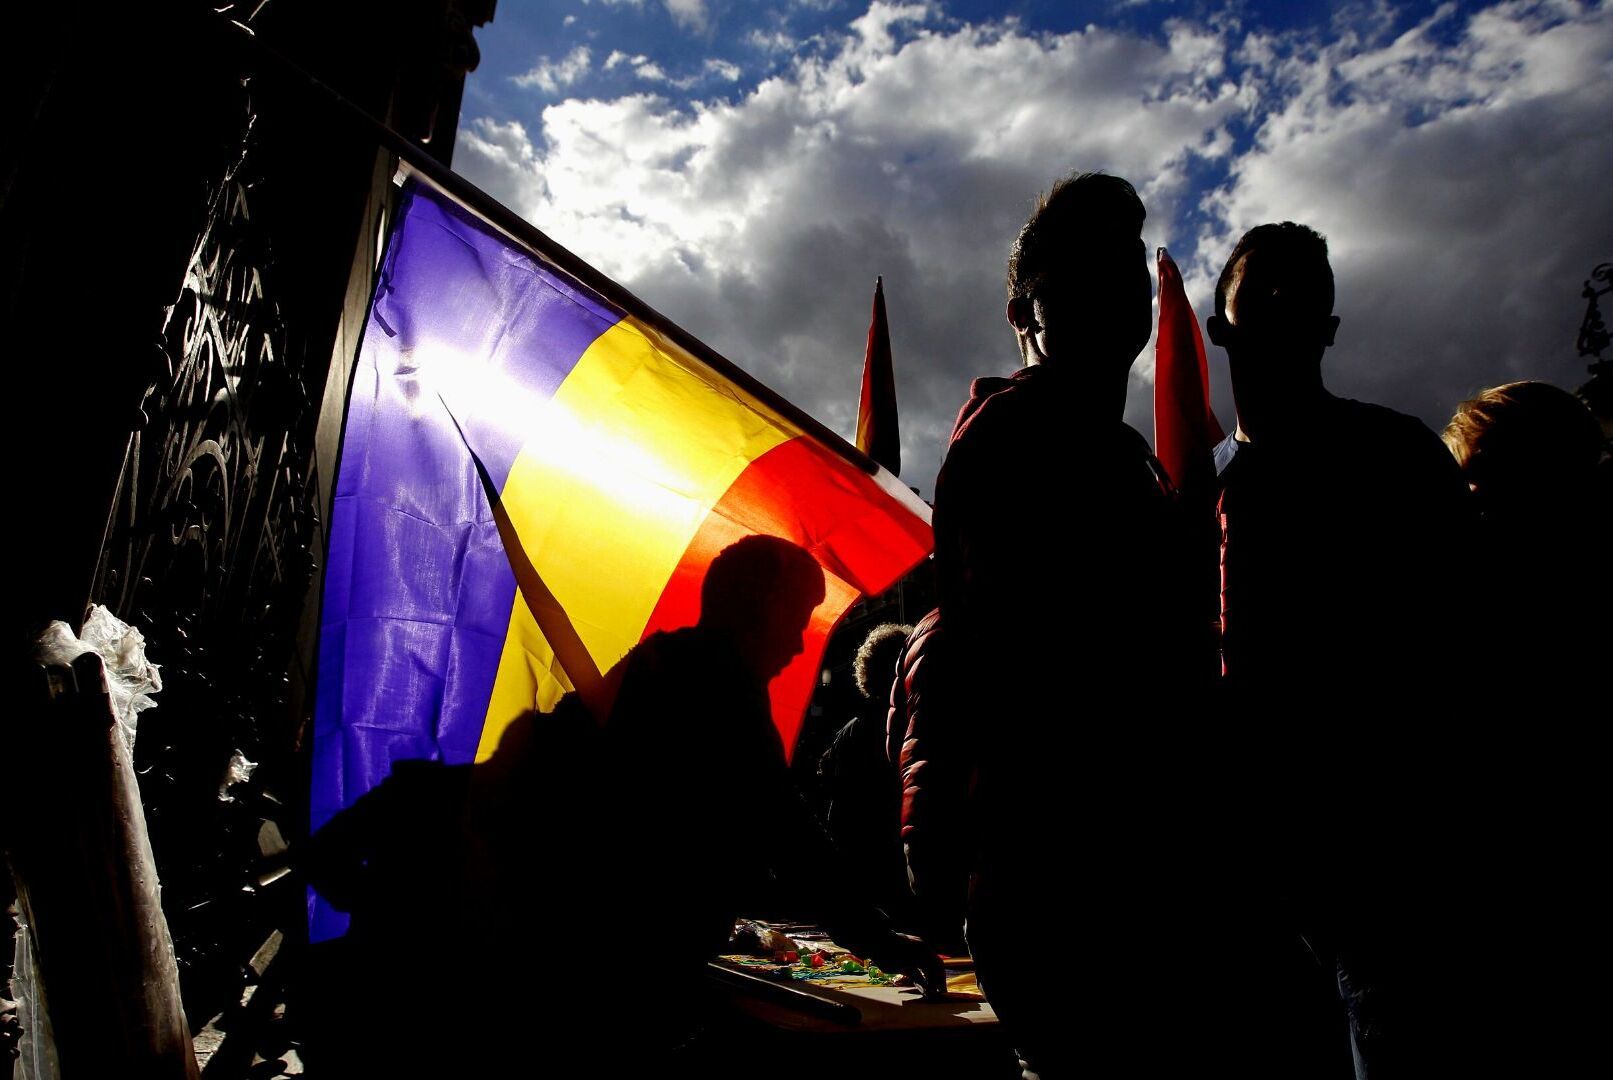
<point x="210" y="551"/>
<point x="1593" y="333"/>
<point x="216" y="512"/>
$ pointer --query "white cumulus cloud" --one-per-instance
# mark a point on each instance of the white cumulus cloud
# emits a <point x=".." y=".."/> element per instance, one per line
<point x="1459" y="171"/>
<point x="1460" y="174"/>
<point x="648" y="70"/>
<point x="689" y="13"/>
<point x="553" y="75"/>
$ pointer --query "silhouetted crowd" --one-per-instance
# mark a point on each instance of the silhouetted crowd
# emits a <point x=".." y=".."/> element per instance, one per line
<point x="1287" y="770"/>
<point x="1288" y="773"/>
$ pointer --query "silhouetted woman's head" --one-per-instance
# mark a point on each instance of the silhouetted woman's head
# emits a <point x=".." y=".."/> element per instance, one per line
<point x="1526" y="444"/>
<point x="875" y="665"/>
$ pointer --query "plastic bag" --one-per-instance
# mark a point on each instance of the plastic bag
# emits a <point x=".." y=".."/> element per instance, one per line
<point x="131" y="679"/>
<point x="238" y="771"/>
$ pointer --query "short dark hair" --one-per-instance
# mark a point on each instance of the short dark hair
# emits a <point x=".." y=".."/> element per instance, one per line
<point x="1079" y="209"/>
<point x="756" y="576"/>
<point x="1297" y="252"/>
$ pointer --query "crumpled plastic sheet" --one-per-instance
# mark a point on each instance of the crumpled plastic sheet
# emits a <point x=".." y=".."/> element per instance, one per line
<point x="238" y="771"/>
<point x="131" y="679"/>
<point x="37" y="1050"/>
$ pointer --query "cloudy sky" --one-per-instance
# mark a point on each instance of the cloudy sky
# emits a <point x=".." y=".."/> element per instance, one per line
<point x="749" y="168"/>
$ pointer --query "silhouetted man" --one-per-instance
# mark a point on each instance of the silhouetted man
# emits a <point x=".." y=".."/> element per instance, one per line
<point x="705" y="811"/>
<point x="1059" y="564"/>
<point x="1343" y="534"/>
<point x="1343" y="522"/>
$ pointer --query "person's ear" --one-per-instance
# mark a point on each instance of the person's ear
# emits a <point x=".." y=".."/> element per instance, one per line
<point x="1331" y="331"/>
<point x="1022" y="315"/>
<point x="1217" y="328"/>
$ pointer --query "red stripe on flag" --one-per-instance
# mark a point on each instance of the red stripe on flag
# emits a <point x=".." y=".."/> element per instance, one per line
<point x="877" y="434"/>
<point x="1185" y="428"/>
<point x="806" y="494"/>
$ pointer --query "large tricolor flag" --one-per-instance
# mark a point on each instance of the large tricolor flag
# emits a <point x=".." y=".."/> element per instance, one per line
<point x="534" y="478"/>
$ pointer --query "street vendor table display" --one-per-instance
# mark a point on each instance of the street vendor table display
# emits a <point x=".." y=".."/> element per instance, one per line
<point x="794" y="979"/>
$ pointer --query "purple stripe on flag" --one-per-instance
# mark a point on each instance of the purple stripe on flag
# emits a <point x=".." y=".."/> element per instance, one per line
<point x="418" y="589"/>
<point x="451" y="277"/>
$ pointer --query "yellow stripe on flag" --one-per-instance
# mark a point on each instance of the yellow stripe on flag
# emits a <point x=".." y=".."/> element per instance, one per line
<point x="606" y="494"/>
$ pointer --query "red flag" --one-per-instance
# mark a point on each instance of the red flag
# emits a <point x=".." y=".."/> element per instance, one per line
<point x="1185" y="428"/>
<point x="876" y="407"/>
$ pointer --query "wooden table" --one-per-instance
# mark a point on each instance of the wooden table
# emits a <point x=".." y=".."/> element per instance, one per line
<point x="804" y="1029"/>
<point x="826" y="1009"/>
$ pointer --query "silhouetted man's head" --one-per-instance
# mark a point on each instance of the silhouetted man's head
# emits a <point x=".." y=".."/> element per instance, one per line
<point x="760" y="593"/>
<point x="1275" y="298"/>
<point x="1078" y="285"/>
